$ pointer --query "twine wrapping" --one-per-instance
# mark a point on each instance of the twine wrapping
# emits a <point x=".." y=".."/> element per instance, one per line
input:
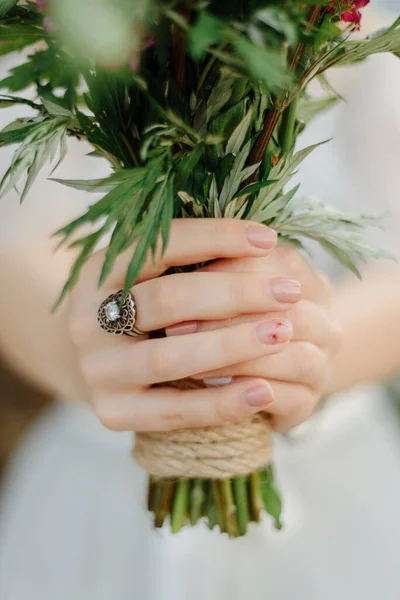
<point x="225" y="451"/>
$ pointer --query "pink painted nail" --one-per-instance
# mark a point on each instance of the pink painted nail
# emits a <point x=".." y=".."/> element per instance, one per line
<point x="261" y="236"/>
<point x="285" y="290"/>
<point x="258" y="397"/>
<point x="181" y="329"/>
<point x="274" y="332"/>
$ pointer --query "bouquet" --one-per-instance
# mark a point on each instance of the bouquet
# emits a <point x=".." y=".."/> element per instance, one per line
<point x="197" y="105"/>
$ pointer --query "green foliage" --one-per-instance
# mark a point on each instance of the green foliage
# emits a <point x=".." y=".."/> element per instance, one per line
<point x="205" y="33"/>
<point x="39" y="142"/>
<point x="179" y="99"/>
<point x="19" y="27"/>
<point x="6" y="6"/>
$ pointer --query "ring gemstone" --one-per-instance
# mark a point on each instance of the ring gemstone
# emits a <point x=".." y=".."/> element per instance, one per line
<point x="112" y="311"/>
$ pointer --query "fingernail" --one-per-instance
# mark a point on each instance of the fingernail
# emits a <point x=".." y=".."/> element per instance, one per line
<point x="259" y="396"/>
<point x="285" y="290"/>
<point x="274" y="332"/>
<point x="181" y="329"/>
<point x="261" y="236"/>
<point x="217" y="381"/>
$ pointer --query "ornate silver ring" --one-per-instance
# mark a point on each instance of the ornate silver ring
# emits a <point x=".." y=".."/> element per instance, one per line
<point x="117" y="314"/>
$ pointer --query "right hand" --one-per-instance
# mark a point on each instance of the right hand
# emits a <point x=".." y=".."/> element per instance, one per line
<point x="120" y="371"/>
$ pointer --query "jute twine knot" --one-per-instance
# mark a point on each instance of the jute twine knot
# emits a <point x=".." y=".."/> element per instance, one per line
<point x="225" y="451"/>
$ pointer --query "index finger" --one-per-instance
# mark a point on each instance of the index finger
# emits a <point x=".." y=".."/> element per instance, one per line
<point x="193" y="241"/>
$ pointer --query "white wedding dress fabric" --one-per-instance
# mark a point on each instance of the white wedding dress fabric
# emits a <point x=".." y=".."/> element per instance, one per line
<point x="73" y="524"/>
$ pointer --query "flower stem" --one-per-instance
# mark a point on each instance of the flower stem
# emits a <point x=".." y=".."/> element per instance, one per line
<point x="163" y="500"/>
<point x="241" y="499"/>
<point x="218" y="505"/>
<point x="286" y="131"/>
<point x="256" y="501"/>
<point x="229" y="508"/>
<point x="180" y="505"/>
<point x="197" y="497"/>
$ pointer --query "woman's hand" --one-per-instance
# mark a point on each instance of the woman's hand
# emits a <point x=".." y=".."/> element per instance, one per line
<point x="120" y="370"/>
<point x="300" y="374"/>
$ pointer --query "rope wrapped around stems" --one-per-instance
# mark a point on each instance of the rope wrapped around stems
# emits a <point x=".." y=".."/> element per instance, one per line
<point x="226" y="451"/>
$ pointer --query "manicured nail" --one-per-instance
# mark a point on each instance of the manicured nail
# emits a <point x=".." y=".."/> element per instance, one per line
<point x="285" y="290"/>
<point x="181" y="329"/>
<point x="217" y="381"/>
<point x="261" y="236"/>
<point x="274" y="332"/>
<point x="258" y="397"/>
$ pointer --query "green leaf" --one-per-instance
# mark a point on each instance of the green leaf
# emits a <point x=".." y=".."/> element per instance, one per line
<point x="354" y="51"/>
<point x="56" y="110"/>
<point x="219" y="96"/>
<point x="21" y="27"/>
<point x="5" y="6"/>
<point x="205" y="32"/>
<point x="168" y="212"/>
<point x="235" y="177"/>
<point x="264" y="65"/>
<point x="272" y="502"/>
<point x="130" y="198"/>
<point x="282" y="172"/>
<point x="88" y="245"/>
<point x="38" y="146"/>
<point x="279" y="20"/>
<point x="235" y="142"/>
<point x="107" y="184"/>
<point x="254" y="187"/>
<point x="18" y="130"/>
<point x="187" y="164"/>
<point x="307" y="109"/>
<point x="148" y="238"/>
<point x="7" y="101"/>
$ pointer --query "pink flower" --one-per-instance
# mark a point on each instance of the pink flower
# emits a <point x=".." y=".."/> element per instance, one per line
<point x="354" y="15"/>
<point x="351" y="11"/>
<point x="41" y="4"/>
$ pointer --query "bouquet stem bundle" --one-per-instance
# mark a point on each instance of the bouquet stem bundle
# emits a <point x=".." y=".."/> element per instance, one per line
<point x="197" y="108"/>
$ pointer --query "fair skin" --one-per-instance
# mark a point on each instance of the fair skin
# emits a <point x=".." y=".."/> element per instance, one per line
<point x="240" y="317"/>
<point x="286" y="369"/>
<point x="114" y="374"/>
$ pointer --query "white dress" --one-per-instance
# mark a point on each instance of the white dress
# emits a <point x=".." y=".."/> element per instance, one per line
<point x="72" y="520"/>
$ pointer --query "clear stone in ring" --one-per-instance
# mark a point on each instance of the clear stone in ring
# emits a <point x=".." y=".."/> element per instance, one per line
<point x="112" y="311"/>
<point x="117" y="314"/>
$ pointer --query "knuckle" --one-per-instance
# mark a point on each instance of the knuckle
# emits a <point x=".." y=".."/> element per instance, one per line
<point x="299" y="317"/>
<point x="160" y="296"/>
<point x="309" y="363"/>
<point x="302" y="408"/>
<point x="291" y="259"/>
<point x="168" y="295"/>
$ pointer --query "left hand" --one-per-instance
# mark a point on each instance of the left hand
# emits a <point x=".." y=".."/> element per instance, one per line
<point x="300" y="374"/>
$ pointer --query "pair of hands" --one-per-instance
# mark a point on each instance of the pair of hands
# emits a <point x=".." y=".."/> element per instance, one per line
<point x="257" y="314"/>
